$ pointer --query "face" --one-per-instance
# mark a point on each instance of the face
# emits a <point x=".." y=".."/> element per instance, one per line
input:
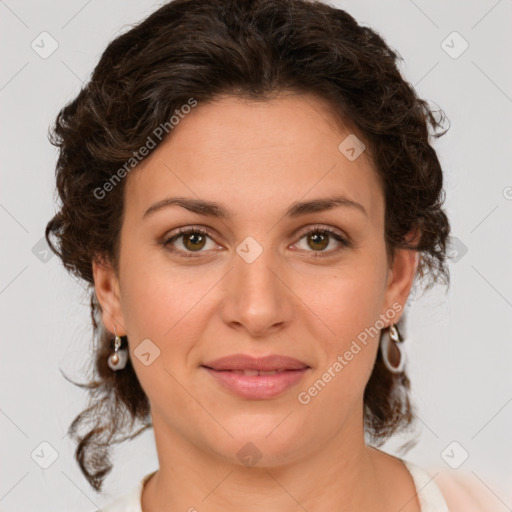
<point x="271" y="276"/>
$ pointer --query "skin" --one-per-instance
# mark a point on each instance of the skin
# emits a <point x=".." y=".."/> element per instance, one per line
<point x="256" y="159"/>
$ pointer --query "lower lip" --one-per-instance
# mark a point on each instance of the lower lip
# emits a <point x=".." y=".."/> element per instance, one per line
<point x="257" y="387"/>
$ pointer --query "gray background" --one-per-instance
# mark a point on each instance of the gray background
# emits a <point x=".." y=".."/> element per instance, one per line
<point x="460" y="342"/>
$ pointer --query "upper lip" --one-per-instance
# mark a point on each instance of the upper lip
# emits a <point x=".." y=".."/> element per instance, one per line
<point x="247" y="362"/>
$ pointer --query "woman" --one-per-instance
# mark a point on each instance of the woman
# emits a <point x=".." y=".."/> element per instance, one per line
<point x="250" y="191"/>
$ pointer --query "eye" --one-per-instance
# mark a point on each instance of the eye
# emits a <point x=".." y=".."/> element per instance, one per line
<point x="319" y="237"/>
<point x="193" y="239"/>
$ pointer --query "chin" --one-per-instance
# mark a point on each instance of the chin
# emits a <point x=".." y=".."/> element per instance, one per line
<point x="262" y="442"/>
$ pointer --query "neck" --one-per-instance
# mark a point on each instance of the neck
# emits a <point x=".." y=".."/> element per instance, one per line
<point x="339" y="474"/>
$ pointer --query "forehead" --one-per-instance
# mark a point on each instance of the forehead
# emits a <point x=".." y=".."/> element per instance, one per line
<point x="255" y="154"/>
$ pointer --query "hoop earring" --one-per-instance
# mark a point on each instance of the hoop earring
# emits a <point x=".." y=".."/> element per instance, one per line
<point x="386" y="346"/>
<point x="117" y="360"/>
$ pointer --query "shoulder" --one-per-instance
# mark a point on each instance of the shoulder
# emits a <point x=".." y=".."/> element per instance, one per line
<point x="129" y="502"/>
<point x="465" y="492"/>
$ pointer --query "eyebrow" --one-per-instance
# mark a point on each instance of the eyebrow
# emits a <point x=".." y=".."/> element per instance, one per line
<point x="213" y="209"/>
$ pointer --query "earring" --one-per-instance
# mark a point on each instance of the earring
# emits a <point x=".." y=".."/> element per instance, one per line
<point x="117" y="360"/>
<point x="395" y="363"/>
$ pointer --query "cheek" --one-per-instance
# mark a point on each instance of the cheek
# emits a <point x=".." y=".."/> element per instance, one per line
<point x="349" y="348"/>
<point x="350" y="300"/>
<point x="350" y="304"/>
<point x="166" y="305"/>
<point x="157" y="299"/>
<point x="166" y="308"/>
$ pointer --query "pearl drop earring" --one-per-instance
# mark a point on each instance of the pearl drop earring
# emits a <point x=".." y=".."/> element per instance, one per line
<point x="117" y="360"/>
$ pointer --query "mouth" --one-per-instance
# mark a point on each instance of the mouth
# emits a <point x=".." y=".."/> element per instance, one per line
<point x="255" y="377"/>
<point x="247" y="362"/>
<point x="257" y="384"/>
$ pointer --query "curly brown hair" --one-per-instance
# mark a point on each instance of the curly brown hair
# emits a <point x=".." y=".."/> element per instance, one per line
<point x="250" y="49"/>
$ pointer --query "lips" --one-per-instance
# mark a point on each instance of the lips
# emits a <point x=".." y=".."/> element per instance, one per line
<point x="249" y="365"/>
<point x="257" y="378"/>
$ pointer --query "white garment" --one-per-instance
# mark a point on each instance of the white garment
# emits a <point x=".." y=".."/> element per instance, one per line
<point x="429" y="494"/>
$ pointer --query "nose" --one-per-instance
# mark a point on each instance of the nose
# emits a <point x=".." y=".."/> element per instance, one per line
<point x="257" y="299"/>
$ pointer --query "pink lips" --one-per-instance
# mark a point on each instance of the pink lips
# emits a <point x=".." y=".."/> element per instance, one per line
<point x="230" y="373"/>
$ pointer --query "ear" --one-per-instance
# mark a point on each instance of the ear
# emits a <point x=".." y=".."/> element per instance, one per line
<point x="400" y="278"/>
<point x="106" y="285"/>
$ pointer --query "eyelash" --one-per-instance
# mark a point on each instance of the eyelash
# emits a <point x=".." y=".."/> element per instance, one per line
<point x="206" y="232"/>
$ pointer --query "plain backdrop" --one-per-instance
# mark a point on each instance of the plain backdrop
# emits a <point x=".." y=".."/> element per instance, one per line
<point x="460" y="341"/>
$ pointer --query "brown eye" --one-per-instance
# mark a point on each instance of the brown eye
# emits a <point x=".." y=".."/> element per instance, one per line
<point x="194" y="241"/>
<point x="318" y="240"/>
<point x="191" y="240"/>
